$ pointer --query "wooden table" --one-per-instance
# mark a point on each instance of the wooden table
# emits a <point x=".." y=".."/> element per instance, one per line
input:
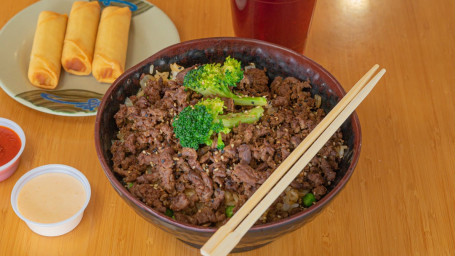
<point x="401" y="198"/>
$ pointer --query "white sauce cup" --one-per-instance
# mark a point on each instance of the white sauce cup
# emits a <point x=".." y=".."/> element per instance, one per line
<point x="9" y="168"/>
<point x="58" y="228"/>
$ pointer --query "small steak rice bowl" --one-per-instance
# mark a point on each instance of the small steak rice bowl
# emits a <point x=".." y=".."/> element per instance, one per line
<point x="186" y="136"/>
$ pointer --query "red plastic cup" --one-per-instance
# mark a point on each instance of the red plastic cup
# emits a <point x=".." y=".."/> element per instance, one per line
<point x="284" y="22"/>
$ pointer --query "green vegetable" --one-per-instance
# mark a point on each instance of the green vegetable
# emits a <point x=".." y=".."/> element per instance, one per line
<point x="232" y="70"/>
<point x="169" y="212"/>
<point x="234" y="119"/>
<point x="308" y="199"/>
<point x="129" y="185"/>
<point x="214" y="79"/>
<point x="213" y="106"/>
<point x="229" y="211"/>
<point x="196" y="124"/>
<point x="220" y="143"/>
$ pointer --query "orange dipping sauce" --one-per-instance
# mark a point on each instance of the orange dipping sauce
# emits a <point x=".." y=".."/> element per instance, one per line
<point x="10" y="144"/>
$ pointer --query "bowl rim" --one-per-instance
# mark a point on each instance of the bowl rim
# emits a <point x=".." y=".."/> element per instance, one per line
<point x="126" y="195"/>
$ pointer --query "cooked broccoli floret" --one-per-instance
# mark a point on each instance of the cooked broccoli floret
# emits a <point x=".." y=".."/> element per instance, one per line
<point x="196" y="124"/>
<point x="234" y="119"/>
<point x="214" y="79"/>
<point x="232" y="70"/>
<point x="214" y="106"/>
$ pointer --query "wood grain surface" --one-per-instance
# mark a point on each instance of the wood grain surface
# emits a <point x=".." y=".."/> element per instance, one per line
<point x="401" y="198"/>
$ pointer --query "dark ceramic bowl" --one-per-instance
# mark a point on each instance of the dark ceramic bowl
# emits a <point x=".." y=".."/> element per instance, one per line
<point x="278" y="61"/>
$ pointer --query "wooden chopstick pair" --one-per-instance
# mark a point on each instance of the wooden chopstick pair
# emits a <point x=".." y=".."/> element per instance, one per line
<point x="228" y="236"/>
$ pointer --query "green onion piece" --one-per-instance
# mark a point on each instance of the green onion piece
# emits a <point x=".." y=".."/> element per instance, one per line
<point x="230" y="211"/>
<point x="129" y="185"/>
<point x="220" y="143"/>
<point x="169" y="212"/>
<point x="308" y="199"/>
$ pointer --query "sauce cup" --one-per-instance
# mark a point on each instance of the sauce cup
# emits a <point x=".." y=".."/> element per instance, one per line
<point x="60" y="227"/>
<point x="10" y="167"/>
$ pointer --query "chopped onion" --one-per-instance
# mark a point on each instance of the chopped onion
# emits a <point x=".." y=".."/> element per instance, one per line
<point x="128" y="102"/>
<point x="228" y="199"/>
<point x="145" y="80"/>
<point x="294" y="206"/>
<point x="340" y="150"/>
<point x="250" y="66"/>
<point x="120" y="136"/>
<point x="175" y="69"/>
<point x="140" y="93"/>
<point x="163" y="75"/>
<point x="151" y="69"/>
<point x="318" y="100"/>
<point x="293" y="195"/>
<point x="236" y="197"/>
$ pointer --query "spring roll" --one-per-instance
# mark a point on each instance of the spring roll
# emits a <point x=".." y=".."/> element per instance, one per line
<point x="44" y="68"/>
<point x="80" y="37"/>
<point x="111" y="44"/>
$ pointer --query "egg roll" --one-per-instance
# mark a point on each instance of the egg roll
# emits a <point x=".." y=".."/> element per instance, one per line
<point x="111" y="44"/>
<point x="80" y="37"/>
<point x="44" y="68"/>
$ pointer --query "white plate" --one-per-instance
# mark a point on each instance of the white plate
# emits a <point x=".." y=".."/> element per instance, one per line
<point x="151" y="30"/>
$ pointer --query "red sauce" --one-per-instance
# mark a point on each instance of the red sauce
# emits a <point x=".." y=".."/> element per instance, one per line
<point x="10" y="144"/>
<point x="284" y="22"/>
